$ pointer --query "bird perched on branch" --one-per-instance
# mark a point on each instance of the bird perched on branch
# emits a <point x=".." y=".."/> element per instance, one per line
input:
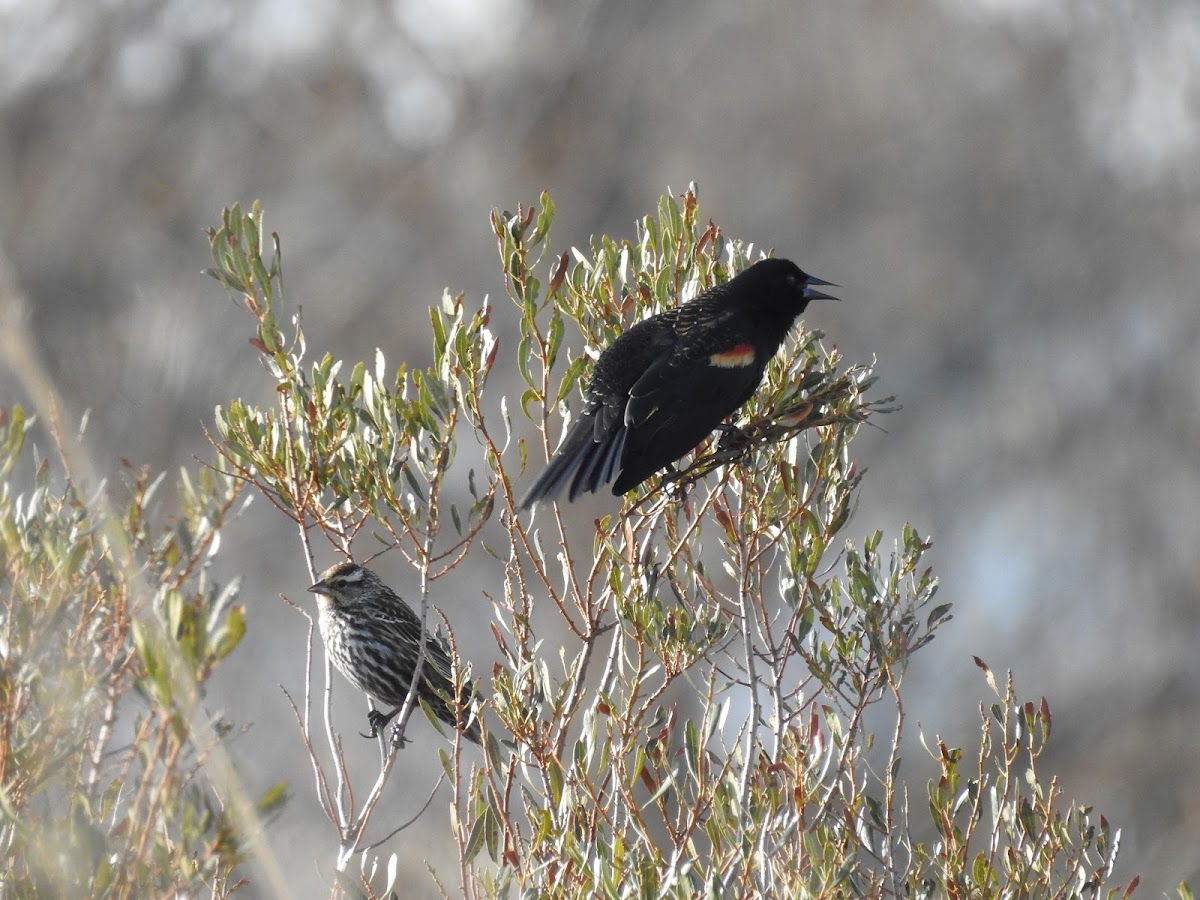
<point x="373" y="637"/>
<point x="668" y="381"/>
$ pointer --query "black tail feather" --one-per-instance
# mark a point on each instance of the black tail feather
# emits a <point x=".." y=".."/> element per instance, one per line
<point x="560" y="468"/>
<point x="581" y="462"/>
<point x="597" y="464"/>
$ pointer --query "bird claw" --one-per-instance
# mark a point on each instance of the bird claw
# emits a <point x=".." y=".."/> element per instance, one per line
<point x="378" y="721"/>
<point x="731" y="435"/>
<point x="675" y="483"/>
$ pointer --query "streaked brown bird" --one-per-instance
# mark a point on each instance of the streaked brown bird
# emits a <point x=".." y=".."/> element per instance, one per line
<point x="372" y="636"/>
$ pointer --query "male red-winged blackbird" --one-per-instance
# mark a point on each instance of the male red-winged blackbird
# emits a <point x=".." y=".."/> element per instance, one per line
<point x="665" y="384"/>
<point x="373" y="637"/>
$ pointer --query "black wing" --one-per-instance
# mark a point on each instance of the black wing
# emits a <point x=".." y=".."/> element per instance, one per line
<point x="592" y="453"/>
<point x="678" y="402"/>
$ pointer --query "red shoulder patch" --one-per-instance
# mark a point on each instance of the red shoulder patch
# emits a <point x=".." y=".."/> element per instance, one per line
<point x="736" y="357"/>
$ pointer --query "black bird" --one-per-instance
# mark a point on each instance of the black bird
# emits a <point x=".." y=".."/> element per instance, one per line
<point x="665" y="384"/>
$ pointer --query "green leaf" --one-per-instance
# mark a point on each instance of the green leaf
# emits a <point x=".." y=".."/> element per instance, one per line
<point x="545" y="218"/>
<point x="273" y="798"/>
<point x="528" y="398"/>
<point x="475" y="840"/>
<point x="231" y="632"/>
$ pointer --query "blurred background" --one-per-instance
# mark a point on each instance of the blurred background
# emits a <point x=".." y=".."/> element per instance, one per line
<point x="1007" y="191"/>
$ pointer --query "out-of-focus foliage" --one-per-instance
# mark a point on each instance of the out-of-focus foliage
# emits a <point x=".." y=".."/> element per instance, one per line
<point x="110" y="626"/>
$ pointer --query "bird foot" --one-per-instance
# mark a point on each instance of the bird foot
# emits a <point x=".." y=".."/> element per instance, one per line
<point x="378" y="721"/>
<point x="731" y="435"/>
<point x="674" y="484"/>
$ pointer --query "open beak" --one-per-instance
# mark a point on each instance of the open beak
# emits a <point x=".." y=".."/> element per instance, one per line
<point x="810" y="294"/>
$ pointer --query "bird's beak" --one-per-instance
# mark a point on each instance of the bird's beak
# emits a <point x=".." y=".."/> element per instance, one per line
<point x="810" y="294"/>
<point x="319" y="588"/>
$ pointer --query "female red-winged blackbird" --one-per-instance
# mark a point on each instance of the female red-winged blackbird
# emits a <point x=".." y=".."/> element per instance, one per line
<point x="373" y="636"/>
<point x="662" y="386"/>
